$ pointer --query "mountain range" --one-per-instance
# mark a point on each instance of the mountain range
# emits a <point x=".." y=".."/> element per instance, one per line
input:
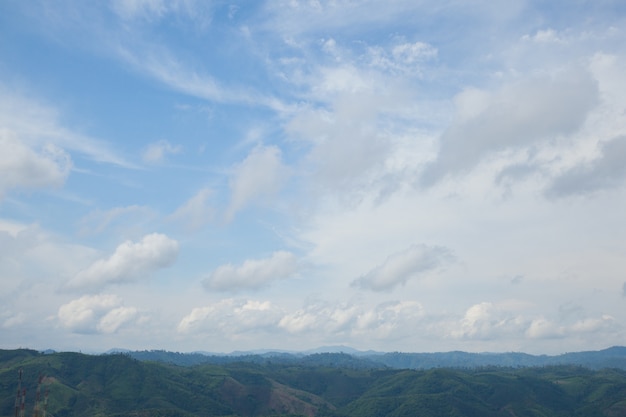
<point x="613" y="357"/>
<point x="323" y="384"/>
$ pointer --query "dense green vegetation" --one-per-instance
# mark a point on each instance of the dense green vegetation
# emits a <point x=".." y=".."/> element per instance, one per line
<point x="614" y="357"/>
<point x="118" y="385"/>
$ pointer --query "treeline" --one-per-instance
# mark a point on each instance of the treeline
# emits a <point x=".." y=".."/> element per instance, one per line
<point x="121" y="386"/>
<point x="614" y="357"/>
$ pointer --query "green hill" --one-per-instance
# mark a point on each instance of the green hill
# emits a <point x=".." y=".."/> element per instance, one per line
<point x="119" y="386"/>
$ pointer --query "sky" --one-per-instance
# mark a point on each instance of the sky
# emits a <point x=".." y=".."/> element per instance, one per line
<point x="400" y="175"/>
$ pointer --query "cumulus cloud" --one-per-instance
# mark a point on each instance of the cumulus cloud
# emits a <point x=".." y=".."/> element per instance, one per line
<point x="24" y="167"/>
<point x="383" y="321"/>
<point x="542" y="328"/>
<point x="260" y="175"/>
<point x="606" y="171"/>
<point x="487" y="321"/>
<point x="103" y="313"/>
<point x="517" y="116"/>
<point x="157" y="152"/>
<point x="491" y="321"/>
<point x="129" y="262"/>
<point x="195" y="212"/>
<point x="402" y="266"/>
<point x="231" y="317"/>
<point x="236" y="318"/>
<point x="253" y="273"/>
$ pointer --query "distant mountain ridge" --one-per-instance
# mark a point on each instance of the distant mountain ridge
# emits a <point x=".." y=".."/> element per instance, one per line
<point x="613" y="357"/>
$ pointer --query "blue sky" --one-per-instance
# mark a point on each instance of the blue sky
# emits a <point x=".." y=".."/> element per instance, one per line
<point x="398" y="175"/>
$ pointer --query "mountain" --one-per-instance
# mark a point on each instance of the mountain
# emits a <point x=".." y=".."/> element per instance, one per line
<point x="614" y="357"/>
<point x="117" y="385"/>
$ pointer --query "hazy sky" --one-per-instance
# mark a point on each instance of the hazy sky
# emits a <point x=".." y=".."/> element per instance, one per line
<point x="407" y="175"/>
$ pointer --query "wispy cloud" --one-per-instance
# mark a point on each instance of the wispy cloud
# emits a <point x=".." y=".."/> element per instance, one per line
<point x="24" y="167"/>
<point x="37" y="124"/>
<point x="98" y="221"/>
<point x="253" y="273"/>
<point x="258" y="177"/>
<point x="403" y="266"/>
<point x="152" y="11"/>
<point x="158" y="63"/>
<point x="157" y="151"/>
<point x="195" y="212"/>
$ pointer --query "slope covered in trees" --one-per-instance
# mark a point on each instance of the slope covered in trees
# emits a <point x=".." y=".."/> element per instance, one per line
<point x="118" y="385"/>
<point x="614" y="357"/>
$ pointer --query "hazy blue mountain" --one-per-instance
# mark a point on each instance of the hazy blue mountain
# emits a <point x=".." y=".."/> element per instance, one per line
<point x="614" y="357"/>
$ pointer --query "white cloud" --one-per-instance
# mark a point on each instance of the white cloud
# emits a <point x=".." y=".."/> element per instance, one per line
<point x="542" y="328"/>
<point x="403" y="58"/>
<point x="129" y="9"/>
<point x="154" y="10"/>
<point x="12" y="320"/>
<point x="236" y="319"/>
<point x="126" y="217"/>
<point x="115" y="318"/>
<point x="231" y="317"/>
<point x="402" y="266"/>
<point x="103" y="313"/>
<point x="488" y="321"/>
<point x="130" y="262"/>
<point x="195" y="212"/>
<point x="23" y="167"/>
<point x="348" y="151"/>
<point x="544" y="36"/>
<point x="515" y="117"/>
<point x="159" y="63"/>
<point x="157" y="152"/>
<point x="28" y="252"/>
<point x="253" y="273"/>
<point x="360" y="108"/>
<point x="386" y="320"/>
<point x="493" y="321"/>
<point x="606" y="171"/>
<point x="298" y="18"/>
<point x="257" y="178"/>
<point x="37" y="125"/>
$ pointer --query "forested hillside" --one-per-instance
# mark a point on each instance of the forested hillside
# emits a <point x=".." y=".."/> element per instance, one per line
<point x="118" y="385"/>
<point x="614" y="357"/>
